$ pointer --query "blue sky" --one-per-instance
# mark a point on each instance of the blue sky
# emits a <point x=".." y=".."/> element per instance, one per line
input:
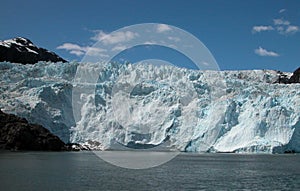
<point x="240" y="34"/>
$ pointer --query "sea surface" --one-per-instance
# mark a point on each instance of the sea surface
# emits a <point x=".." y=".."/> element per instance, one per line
<point x="85" y="171"/>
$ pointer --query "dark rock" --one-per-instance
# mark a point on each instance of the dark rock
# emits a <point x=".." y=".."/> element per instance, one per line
<point x="282" y="78"/>
<point x="17" y="134"/>
<point x="295" y="78"/>
<point x="289" y="152"/>
<point x="22" y="50"/>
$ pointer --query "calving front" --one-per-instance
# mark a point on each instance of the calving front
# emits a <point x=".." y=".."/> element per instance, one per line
<point x="141" y="106"/>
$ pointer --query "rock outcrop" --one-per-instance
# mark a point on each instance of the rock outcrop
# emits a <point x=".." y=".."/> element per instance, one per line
<point x="17" y="134"/>
<point x="295" y="78"/>
<point x="22" y="50"/>
<point x="283" y="78"/>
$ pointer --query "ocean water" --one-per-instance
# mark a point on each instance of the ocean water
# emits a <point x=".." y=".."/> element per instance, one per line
<point x="85" y="171"/>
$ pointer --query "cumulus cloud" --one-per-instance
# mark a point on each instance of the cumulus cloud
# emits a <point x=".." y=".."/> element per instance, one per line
<point x="72" y="48"/>
<point x="69" y="46"/>
<point x="281" y="26"/>
<point x="289" y="30"/>
<point x="284" y="27"/>
<point x="292" y="29"/>
<point x="263" y="52"/>
<point x="114" y="38"/>
<point x="163" y="28"/>
<point x="261" y="28"/>
<point x="80" y="50"/>
<point x="76" y="52"/>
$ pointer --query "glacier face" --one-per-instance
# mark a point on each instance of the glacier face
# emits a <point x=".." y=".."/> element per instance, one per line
<point x="195" y="111"/>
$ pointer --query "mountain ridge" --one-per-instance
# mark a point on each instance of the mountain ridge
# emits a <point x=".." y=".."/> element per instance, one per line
<point x="22" y="50"/>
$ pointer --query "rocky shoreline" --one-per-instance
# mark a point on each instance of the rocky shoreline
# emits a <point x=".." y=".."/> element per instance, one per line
<point x="16" y="134"/>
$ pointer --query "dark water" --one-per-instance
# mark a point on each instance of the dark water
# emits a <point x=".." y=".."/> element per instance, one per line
<point x="85" y="171"/>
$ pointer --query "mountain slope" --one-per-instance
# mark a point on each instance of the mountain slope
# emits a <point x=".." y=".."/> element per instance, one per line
<point x="17" y="134"/>
<point x="295" y="78"/>
<point x="22" y="50"/>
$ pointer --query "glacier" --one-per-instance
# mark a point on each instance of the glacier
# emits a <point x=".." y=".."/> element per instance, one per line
<point x="142" y="105"/>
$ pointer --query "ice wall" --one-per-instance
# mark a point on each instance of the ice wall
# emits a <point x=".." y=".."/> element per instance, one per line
<point x="143" y="105"/>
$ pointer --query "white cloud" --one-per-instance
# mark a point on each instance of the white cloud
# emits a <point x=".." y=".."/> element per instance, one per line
<point x="263" y="52"/>
<point x="99" y="34"/>
<point x="69" y="46"/>
<point x="292" y="29"/>
<point x="77" y="52"/>
<point x="261" y="28"/>
<point x="80" y="50"/>
<point x="115" y="37"/>
<point x="119" y="48"/>
<point x="288" y="30"/>
<point x="281" y="10"/>
<point x="163" y="28"/>
<point x="281" y="22"/>
<point x="93" y="51"/>
<point x="282" y="26"/>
